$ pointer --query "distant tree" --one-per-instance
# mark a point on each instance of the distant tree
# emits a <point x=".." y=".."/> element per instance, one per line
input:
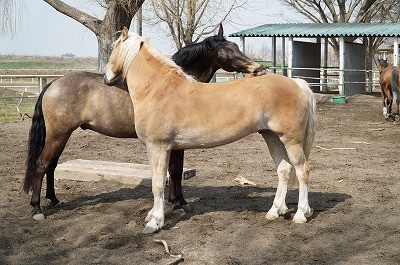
<point x="190" y="20"/>
<point x="68" y="54"/>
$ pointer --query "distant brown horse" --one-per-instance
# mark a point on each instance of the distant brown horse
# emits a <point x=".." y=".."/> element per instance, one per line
<point x="173" y="111"/>
<point x="390" y="82"/>
<point x="83" y="100"/>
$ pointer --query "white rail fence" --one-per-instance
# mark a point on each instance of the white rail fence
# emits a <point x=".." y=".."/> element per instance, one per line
<point x="30" y="86"/>
<point x="329" y="77"/>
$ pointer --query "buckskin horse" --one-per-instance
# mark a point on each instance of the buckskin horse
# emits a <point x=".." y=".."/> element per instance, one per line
<point x="390" y="82"/>
<point x="83" y="100"/>
<point x="173" y="111"/>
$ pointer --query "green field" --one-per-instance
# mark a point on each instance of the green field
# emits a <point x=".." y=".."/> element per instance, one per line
<point x="11" y="64"/>
<point x="9" y="106"/>
<point x="34" y="65"/>
<point x="26" y="65"/>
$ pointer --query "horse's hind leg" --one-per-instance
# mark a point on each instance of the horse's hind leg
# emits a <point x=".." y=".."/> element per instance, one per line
<point x="300" y="163"/>
<point x="175" y="170"/>
<point x="284" y="170"/>
<point x="50" y="192"/>
<point x="49" y="153"/>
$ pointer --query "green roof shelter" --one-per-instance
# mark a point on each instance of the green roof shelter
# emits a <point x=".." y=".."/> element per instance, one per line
<point x="304" y="57"/>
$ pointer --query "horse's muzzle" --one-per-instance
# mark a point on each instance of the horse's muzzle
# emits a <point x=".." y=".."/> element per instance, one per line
<point x="260" y="70"/>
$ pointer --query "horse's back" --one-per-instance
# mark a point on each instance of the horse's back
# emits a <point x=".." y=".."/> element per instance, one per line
<point x="81" y="99"/>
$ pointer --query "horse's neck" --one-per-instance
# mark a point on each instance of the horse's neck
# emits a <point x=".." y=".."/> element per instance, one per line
<point x="202" y="74"/>
<point x="146" y="70"/>
<point x="203" y="68"/>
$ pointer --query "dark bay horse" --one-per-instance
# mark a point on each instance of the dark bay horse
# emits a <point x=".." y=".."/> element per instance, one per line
<point x="174" y="111"/>
<point x="390" y="82"/>
<point x="83" y="100"/>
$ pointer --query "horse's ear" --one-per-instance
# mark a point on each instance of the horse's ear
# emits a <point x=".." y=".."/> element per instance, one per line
<point x="220" y="31"/>
<point x="124" y="34"/>
<point x="209" y="45"/>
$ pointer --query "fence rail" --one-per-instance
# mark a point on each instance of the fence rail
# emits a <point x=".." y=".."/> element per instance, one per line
<point x="32" y="84"/>
<point x="328" y="77"/>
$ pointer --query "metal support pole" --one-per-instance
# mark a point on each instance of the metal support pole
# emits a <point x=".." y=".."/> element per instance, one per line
<point x="284" y="70"/>
<point x="371" y="62"/>
<point x="290" y="57"/>
<point x="341" y="65"/>
<point x="396" y="52"/>
<point x="274" y="54"/>
<point x="243" y="41"/>
<point x="325" y="74"/>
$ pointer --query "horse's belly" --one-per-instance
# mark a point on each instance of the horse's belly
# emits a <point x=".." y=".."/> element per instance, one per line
<point x="112" y="116"/>
<point x="210" y="139"/>
<point x="118" y="126"/>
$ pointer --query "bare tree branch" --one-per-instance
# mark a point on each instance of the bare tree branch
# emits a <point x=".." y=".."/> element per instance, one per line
<point x="190" y="20"/>
<point x="74" y="13"/>
<point x="12" y="13"/>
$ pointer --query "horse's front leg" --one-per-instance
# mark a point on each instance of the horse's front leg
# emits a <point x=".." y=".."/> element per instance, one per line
<point x="158" y="157"/>
<point x="389" y="102"/>
<point x="384" y="101"/>
<point x="175" y="169"/>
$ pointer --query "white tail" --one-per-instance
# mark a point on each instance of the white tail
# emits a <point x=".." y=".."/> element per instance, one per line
<point x="309" y="130"/>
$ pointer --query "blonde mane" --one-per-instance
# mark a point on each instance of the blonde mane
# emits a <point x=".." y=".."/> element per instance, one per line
<point x="131" y="46"/>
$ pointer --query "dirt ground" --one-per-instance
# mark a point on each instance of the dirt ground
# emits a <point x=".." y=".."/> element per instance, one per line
<point x="354" y="193"/>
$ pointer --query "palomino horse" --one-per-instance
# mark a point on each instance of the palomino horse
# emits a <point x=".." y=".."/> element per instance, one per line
<point x="173" y="111"/>
<point x="390" y="82"/>
<point x="83" y="100"/>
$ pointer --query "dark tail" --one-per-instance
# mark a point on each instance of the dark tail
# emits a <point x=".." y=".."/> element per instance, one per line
<point x="37" y="138"/>
<point x="394" y="84"/>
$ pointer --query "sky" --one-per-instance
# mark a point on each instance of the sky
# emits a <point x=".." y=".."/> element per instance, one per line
<point x="46" y="32"/>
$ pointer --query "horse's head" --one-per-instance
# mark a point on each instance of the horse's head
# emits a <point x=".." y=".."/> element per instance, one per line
<point x="228" y="55"/>
<point x="122" y="54"/>
<point x="382" y="64"/>
<point x="114" y="68"/>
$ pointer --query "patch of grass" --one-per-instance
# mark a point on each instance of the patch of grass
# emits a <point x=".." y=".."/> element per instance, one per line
<point x="14" y="64"/>
<point x="8" y="106"/>
<point x="34" y="65"/>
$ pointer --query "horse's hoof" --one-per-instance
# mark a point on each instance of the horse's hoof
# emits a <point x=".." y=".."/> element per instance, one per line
<point x="299" y="218"/>
<point x="271" y="216"/>
<point x="178" y="210"/>
<point x="309" y="213"/>
<point x="38" y="217"/>
<point x="54" y="203"/>
<point x="180" y="207"/>
<point x="187" y="208"/>
<point x="151" y="227"/>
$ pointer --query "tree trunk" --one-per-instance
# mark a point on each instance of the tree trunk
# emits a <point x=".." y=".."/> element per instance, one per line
<point x="119" y="14"/>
